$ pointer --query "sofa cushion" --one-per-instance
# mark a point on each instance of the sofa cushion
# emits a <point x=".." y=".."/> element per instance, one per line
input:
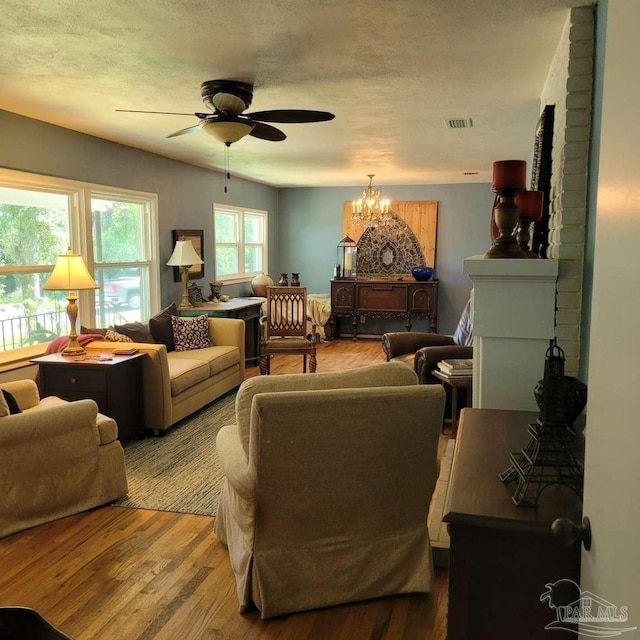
<point x="218" y="358"/>
<point x="190" y="333"/>
<point x="161" y="328"/>
<point x="185" y="372"/>
<point x="137" y="331"/>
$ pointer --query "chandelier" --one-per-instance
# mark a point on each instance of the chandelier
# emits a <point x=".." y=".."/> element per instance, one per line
<point x="371" y="210"/>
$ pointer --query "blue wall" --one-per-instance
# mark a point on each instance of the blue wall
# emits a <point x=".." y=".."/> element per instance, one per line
<point x="305" y="224"/>
<point x="185" y="193"/>
<point x="310" y="227"/>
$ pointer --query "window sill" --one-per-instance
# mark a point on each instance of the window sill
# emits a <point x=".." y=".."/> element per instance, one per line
<point x="20" y="358"/>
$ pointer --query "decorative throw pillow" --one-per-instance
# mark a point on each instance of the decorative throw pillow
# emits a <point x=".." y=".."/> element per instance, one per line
<point x="137" y="331"/>
<point x="85" y="330"/>
<point x="190" y="333"/>
<point x="11" y="402"/>
<point x="161" y="328"/>
<point x="113" y="336"/>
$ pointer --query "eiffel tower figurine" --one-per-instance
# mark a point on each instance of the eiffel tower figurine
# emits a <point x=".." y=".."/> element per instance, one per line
<point x="548" y="457"/>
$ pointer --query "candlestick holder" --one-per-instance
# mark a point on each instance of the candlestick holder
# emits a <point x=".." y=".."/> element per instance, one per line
<point x="523" y="236"/>
<point x="506" y="215"/>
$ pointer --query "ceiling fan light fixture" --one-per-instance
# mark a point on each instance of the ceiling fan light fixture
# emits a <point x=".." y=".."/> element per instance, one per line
<point x="228" y="131"/>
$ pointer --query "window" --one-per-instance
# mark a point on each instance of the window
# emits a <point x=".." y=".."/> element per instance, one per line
<point x="240" y="242"/>
<point x="114" y="230"/>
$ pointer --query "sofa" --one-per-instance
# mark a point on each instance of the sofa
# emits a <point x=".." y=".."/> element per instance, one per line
<point x="177" y="383"/>
<point x="57" y="458"/>
<point x="328" y="481"/>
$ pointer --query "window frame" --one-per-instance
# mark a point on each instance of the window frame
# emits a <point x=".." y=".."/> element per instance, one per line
<point x="80" y="196"/>
<point x="240" y="213"/>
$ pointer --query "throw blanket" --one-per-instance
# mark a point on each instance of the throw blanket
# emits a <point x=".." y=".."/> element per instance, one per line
<point x="60" y="344"/>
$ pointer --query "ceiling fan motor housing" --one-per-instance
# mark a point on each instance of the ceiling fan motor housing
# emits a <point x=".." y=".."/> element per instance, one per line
<point x="227" y="96"/>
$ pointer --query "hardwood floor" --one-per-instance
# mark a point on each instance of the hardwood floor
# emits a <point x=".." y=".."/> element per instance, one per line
<point x="115" y="573"/>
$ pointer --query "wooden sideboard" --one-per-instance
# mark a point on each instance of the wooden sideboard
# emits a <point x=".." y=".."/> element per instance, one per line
<point x="502" y="556"/>
<point x="385" y="298"/>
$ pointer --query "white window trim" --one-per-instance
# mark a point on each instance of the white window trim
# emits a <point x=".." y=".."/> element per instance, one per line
<point x="238" y="278"/>
<point x="80" y="194"/>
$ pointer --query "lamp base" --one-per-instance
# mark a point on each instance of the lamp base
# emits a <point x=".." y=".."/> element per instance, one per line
<point x="73" y="348"/>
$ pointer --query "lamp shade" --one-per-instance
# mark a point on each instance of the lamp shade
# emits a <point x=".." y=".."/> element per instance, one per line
<point x="228" y="131"/>
<point x="70" y="273"/>
<point x="184" y="255"/>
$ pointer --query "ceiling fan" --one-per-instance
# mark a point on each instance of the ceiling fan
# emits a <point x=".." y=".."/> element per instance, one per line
<point x="227" y="100"/>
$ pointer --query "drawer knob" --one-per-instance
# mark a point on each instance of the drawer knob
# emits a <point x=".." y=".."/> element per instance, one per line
<point x="74" y="380"/>
<point x="570" y="533"/>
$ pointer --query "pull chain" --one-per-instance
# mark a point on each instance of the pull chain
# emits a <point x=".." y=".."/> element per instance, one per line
<point x="227" y="175"/>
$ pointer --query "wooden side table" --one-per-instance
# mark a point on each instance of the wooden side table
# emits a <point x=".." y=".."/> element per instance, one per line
<point x="455" y="382"/>
<point x="247" y="309"/>
<point x="115" y="385"/>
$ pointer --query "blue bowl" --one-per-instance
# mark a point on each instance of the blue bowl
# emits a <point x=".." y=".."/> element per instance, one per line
<point x="422" y="274"/>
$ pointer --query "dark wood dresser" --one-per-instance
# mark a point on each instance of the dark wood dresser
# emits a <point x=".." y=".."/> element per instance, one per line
<point x="386" y="298"/>
<point x="502" y="556"/>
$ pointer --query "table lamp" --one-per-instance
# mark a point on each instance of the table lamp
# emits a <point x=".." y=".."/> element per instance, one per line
<point x="70" y="274"/>
<point x="184" y="256"/>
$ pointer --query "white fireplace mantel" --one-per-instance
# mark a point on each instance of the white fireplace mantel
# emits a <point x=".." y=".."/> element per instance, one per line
<point x="513" y="307"/>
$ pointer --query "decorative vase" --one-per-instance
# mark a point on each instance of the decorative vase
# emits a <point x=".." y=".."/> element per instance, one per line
<point x="216" y="288"/>
<point x="259" y="285"/>
<point x="295" y="279"/>
<point x="575" y="397"/>
<point x="284" y="281"/>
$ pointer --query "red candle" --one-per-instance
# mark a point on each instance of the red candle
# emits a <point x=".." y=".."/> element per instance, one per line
<point x="509" y="174"/>
<point x="530" y="204"/>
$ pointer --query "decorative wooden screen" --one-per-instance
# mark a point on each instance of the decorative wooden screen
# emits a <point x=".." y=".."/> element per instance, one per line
<point x="391" y="251"/>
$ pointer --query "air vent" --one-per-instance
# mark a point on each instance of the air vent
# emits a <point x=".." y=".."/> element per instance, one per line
<point x="459" y="123"/>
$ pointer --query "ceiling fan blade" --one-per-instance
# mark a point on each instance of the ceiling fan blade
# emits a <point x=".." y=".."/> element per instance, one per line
<point x="165" y="113"/>
<point x="267" y="132"/>
<point x="290" y="115"/>
<point x="181" y="132"/>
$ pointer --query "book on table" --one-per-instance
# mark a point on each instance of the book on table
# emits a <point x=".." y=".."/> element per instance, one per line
<point x="456" y="367"/>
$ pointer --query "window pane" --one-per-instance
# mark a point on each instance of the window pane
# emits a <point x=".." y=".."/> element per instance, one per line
<point x="253" y="259"/>
<point x="117" y="230"/>
<point x="34" y="226"/>
<point x="29" y="315"/>
<point x="226" y="227"/>
<point x="253" y="228"/>
<point x="123" y="295"/>
<point x="226" y="260"/>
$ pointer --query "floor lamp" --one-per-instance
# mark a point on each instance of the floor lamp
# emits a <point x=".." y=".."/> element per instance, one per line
<point x="184" y="256"/>
<point x="70" y="274"/>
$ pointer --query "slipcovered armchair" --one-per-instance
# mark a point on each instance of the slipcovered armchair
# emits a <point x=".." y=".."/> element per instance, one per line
<point x="328" y="481"/>
<point x="57" y="458"/>
<point x="422" y="351"/>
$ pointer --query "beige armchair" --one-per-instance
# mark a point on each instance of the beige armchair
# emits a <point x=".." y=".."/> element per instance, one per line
<point x="57" y="458"/>
<point x="328" y="484"/>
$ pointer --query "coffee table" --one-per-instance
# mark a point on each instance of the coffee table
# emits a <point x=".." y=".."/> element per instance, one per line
<point x="455" y="382"/>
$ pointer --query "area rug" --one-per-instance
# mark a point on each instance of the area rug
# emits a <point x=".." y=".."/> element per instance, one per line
<point x="181" y="470"/>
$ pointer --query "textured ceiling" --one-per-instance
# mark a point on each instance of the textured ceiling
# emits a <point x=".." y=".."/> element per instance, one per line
<point x="391" y="71"/>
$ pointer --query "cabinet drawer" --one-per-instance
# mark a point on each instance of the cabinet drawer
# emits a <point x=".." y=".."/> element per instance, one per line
<point x="382" y="297"/>
<point x="81" y="379"/>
